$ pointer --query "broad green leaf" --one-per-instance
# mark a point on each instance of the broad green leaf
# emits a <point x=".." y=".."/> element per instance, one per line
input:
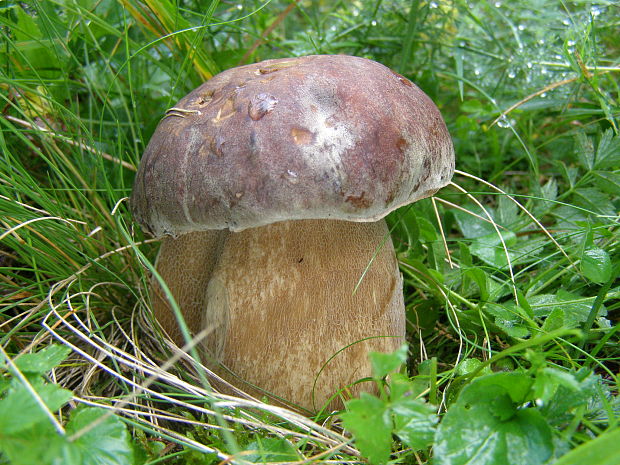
<point x="26" y="28"/>
<point x="555" y="320"/>
<point x="594" y="200"/>
<point x="490" y="249"/>
<point x="105" y="439"/>
<point x="516" y="384"/>
<point x="560" y="392"/>
<point x="602" y="450"/>
<point x="548" y="191"/>
<point x="609" y="181"/>
<point x="19" y="410"/>
<point x="383" y="364"/>
<point x="468" y="365"/>
<point x="548" y="380"/>
<point x="39" y="444"/>
<point x="427" y="230"/>
<point x="486" y="427"/>
<point x="369" y="421"/>
<point x="575" y="309"/>
<point x="44" y="360"/>
<point x="271" y="450"/>
<point x="471" y="225"/>
<point x="608" y="151"/>
<point x="508" y="318"/>
<point x="481" y="279"/>
<point x="596" y="265"/>
<point x="585" y="150"/>
<point x="507" y="211"/>
<point x="415" y="422"/>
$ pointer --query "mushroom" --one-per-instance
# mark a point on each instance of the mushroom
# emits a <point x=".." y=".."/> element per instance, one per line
<point x="271" y="182"/>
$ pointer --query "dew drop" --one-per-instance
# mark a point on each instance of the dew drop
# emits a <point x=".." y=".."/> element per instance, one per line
<point x="512" y="74"/>
<point x="521" y="27"/>
<point x="373" y="23"/>
<point x="498" y="4"/>
<point x="239" y="7"/>
<point x="477" y="72"/>
<point x="529" y="65"/>
<point x="260" y="105"/>
<point x="503" y="123"/>
<point x="543" y="95"/>
<point x="292" y="177"/>
<point x="433" y="5"/>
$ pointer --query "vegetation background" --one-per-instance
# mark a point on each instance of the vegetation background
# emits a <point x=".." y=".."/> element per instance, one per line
<point x="512" y="295"/>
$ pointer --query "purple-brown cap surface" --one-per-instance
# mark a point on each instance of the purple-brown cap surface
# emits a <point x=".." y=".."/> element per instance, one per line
<point x="316" y="137"/>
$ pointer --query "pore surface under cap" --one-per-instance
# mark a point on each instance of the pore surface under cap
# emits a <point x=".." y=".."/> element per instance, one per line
<point x="325" y="136"/>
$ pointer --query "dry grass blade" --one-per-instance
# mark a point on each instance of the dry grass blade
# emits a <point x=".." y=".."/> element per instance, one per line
<point x="109" y="357"/>
<point x="443" y="234"/>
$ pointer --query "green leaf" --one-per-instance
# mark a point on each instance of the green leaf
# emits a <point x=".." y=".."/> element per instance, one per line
<point x="507" y="211"/>
<point x="26" y="28"/>
<point x="596" y="265"/>
<point x="271" y="450"/>
<point x="490" y="249"/>
<point x="487" y="426"/>
<point x="548" y="191"/>
<point x="516" y="384"/>
<point x="609" y="181"/>
<point x="481" y="279"/>
<point x="19" y="410"/>
<point x="371" y="426"/>
<point x="560" y="392"/>
<point x="44" y="360"/>
<point x="105" y="440"/>
<point x="554" y="321"/>
<point x="468" y="365"/>
<point x="415" y="422"/>
<point x="608" y="151"/>
<point x="385" y="363"/>
<point x="575" y="308"/>
<point x="600" y="451"/>
<point x="585" y="150"/>
<point x="471" y="226"/>
<point x="594" y="200"/>
<point x="508" y="318"/>
<point x="39" y="444"/>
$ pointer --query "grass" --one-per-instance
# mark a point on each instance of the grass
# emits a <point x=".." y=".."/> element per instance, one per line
<point x="515" y="287"/>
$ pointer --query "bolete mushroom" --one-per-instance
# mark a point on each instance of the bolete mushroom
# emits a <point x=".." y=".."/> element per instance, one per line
<point x="271" y="182"/>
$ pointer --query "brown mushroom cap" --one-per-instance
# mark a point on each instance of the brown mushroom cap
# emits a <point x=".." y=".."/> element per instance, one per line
<point x="316" y="137"/>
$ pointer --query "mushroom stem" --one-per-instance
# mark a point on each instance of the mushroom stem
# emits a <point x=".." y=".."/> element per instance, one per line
<point x="185" y="263"/>
<point x="281" y="301"/>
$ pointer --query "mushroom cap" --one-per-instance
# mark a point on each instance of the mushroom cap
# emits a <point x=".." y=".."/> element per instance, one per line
<point x="314" y="137"/>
